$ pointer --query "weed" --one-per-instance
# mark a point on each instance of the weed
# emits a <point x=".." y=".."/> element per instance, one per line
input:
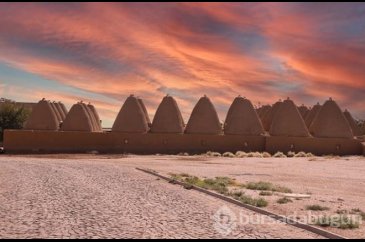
<point x="317" y="208"/>
<point x="267" y="186"/>
<point x="265" y="193"/>
<point x="338" y="221"/>
<point x="284" y="200"/>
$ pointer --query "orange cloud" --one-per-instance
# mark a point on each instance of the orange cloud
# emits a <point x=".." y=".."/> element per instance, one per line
<point x="264" y="51"/>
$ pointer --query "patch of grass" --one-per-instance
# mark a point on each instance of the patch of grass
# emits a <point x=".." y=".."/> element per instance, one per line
<point x="220" y="185"/>
<point x="175" y="176"/>
<point x="262" y="186"/>
<point x="317" y="207"/>
<point x="284" y="200"/>
<point x="338" y="221"/>
<point x="342" y="211"/>
<point x="265" y="193"/>
<point x="356" y="210"/>
<point x="267" y="186"/>
<point x="257" y="202"/>
<point x="359" y="212"/>
<point x="236" y="194"/>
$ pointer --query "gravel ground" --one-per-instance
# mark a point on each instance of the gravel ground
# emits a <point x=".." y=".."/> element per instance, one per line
<point x="107" y="198"/>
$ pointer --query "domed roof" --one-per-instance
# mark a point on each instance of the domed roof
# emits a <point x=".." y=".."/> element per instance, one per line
<point x="354" y="127"/>
<point x="96" y="117"/>
<point x="78" y="119"/>
<point x="330" y="122"/>
<point x="43" y="117"/>
<point x="242" y="119"/>
<point x="312" y="114"/>
<point x="56" y="111"/>
<point x="60" y="110"/>
<point x="168" y="118"/>
<point x="303" y="110"/>
<point x="144" y="111"/>
<point x="269" y="115"/>
<point x="204" y="119"/>
<point x="288" y="121"/>
<point x="131" y="117"/>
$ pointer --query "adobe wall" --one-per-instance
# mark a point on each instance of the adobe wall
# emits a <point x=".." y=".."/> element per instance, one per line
<point x="24" y="141"/>
<point x="27" y="141"/>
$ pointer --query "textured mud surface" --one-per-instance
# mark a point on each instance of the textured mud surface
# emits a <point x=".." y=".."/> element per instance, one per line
<point x="108" y="198"/>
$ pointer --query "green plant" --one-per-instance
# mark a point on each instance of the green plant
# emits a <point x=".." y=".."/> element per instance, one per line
<point x="265" y="193"/>
<point x="236" y="194"/>
<point x="338" y="221"/>
<point x="260" y="202"/>
<point x="317" y="208"/>
<point x="284" y="200"/>
<point x="12" y="116"/>
<point x="267" y="186"/>
<point x="220" y="185"/>
<point x="358" y="212"/>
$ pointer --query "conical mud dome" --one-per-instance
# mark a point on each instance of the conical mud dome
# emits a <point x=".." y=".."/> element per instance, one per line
<point x="90" y="114"/>
<point x="64" y="109"/>
<point x="330" y="122"/>
<point x="242" y="119"/>
<point x="60" y="110"/>
<point x="43" y="117"/>
<point x="354" y="127"/>
<point x="269" y="115"/>
<point x="56" y="111"/>
<point x="303" y="110"/>
<point x="204" y="119"/>
<point x="312" y="114"/>
<point x="263" y="110"/>
<point x="288" y="121"/>
<point x="96" y="117"/>
<point x="144" y="111"/>
<point x="131" y="117"/>
<point x="168" y="118"/>
<point x="78" y="119"/>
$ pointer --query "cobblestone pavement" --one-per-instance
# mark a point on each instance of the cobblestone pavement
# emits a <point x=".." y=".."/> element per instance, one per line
<point x="56" y="198"/>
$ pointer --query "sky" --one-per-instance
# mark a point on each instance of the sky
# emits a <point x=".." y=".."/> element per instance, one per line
<point x="103" y="52"/>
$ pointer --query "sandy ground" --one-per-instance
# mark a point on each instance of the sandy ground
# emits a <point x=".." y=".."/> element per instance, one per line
<point x="104" y="196"/>
<point x="333" y="182"/>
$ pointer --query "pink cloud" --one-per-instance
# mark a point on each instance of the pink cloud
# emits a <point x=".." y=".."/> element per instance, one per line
<point x="261" y="51"/>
